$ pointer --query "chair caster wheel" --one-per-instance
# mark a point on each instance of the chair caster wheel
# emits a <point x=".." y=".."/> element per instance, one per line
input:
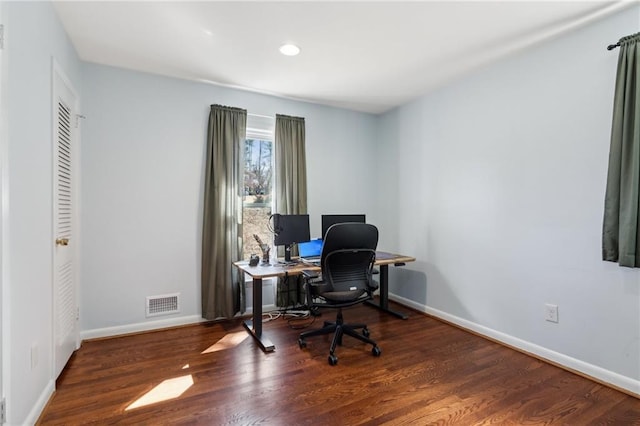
<point x="365" y="332"/>
<point x="333" y="360"/>
<point x="302" y="343"/>
<point x="376" y="351"/>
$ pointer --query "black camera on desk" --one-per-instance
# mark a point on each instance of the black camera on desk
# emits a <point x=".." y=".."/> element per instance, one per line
<point x="254" y="259"/>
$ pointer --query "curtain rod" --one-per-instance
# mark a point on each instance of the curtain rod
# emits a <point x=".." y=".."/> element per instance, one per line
<point x="613" y="46"/>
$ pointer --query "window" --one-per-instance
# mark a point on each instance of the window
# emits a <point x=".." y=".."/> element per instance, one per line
<point x="257" y="199"/>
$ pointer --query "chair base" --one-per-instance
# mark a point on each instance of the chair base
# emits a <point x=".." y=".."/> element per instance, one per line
<point x="338" y="328"/>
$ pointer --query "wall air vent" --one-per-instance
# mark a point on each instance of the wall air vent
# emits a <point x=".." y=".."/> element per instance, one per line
<point x="163" y="305"/>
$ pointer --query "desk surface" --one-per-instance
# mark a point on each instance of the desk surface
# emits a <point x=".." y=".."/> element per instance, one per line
<point x="260" y="271"/>
<point x="275" y="270"/>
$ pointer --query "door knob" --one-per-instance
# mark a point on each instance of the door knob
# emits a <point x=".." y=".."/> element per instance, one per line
<point x="62" y="241"/>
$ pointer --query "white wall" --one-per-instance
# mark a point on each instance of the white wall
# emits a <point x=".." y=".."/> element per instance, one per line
<point x="500" y="179"/>
<point x="33" y="36"/>
<point x="142" y="170"/>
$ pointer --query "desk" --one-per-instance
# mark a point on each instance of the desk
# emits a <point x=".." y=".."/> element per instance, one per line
<point x="258" y="273"/>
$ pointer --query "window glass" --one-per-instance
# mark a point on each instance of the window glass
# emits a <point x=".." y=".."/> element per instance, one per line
<point x="257" y="197"/>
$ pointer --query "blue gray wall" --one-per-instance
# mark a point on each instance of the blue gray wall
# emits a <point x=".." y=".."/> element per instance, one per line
<point x="499" y="189"/>
<point x="142" y="170"/>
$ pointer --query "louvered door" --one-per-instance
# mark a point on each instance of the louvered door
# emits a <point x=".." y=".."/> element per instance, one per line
<point x="65" y="238"/>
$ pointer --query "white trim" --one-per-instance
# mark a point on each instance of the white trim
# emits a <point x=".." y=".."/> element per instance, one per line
<point x="261" y="116"/>
<point x="40" y="404"/>
<point x="598" y="373"/>
<point x="260" y="127"/>
<point x="140" y="327"/>
<point x="5" y="294"/>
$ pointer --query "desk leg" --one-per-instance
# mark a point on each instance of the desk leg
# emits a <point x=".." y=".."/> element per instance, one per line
<point x="254" y="327"/>
<point x="384" y="294"/>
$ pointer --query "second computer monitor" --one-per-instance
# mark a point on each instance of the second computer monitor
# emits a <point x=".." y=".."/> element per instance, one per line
<point x="332" y="219"/>
<point x="290" y="229"/>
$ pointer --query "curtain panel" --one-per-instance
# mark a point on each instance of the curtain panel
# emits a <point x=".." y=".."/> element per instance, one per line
<point x="221" y="286"/>
<point x="291" y="165"/>
<point x="621" y="233"/>
<point x="291" y="189"/>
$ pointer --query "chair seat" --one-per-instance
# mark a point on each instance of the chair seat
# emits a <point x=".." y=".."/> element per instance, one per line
<point x="342" y="296"/>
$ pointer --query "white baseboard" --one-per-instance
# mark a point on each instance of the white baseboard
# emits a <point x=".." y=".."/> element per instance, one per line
<point x="155" y="325"/>
<point x="37" y="409"/>
<point x="139" y="327"/>
<point x="593" y="371"/>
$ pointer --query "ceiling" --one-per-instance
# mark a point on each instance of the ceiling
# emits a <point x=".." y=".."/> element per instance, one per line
<point x="365" y="56"/>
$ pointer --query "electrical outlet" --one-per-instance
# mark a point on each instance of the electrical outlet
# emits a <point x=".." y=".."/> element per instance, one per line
<point x="551" y="312"/>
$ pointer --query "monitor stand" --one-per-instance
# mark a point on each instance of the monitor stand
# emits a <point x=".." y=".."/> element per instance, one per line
<point x="287" y="255"/>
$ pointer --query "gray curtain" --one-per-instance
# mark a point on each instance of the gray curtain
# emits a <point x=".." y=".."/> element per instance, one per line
<point x="621" y="233"/>
<point x="291" y="165"/>
<point x="291" y="188"/>
<point x="222" y="292"/>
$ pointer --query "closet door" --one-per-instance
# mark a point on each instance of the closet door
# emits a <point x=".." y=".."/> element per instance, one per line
<point x="65" y="312"/>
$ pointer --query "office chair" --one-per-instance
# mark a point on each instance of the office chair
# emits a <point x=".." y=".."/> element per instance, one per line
<point x="348" y="255"/>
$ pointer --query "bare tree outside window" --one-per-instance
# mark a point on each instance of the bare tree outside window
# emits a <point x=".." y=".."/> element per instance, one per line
<point x="257" y="195"/>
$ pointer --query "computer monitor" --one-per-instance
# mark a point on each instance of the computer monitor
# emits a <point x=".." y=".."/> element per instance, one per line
<point x="332" y="219"/>
<point x="289" y="229"/>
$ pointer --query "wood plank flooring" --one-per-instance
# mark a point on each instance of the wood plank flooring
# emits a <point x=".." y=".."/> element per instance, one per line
<point x="429" y="373"/>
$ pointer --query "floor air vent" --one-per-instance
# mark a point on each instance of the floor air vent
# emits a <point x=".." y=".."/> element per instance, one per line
<point x="163" y="305"/>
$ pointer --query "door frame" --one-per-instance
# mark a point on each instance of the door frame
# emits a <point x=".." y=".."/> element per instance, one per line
<point x="4" y="213"/>
<point x="58" y="76"/>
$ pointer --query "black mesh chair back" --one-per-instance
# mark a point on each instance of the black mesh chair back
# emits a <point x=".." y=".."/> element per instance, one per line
<point x="347" y="260"/>
<point x="350" y="235"/>
<point x="348" y="254"/>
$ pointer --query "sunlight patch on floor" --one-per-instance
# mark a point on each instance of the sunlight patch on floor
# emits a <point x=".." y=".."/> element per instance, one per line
<point x="168" y="389"/>
<point x="228" y="341"/>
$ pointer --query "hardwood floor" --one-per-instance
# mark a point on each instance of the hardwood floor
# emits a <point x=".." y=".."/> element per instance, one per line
<point x="429" y="373"/>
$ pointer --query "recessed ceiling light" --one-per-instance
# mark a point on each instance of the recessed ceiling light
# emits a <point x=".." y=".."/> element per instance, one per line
<point x="289" y="49"/>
